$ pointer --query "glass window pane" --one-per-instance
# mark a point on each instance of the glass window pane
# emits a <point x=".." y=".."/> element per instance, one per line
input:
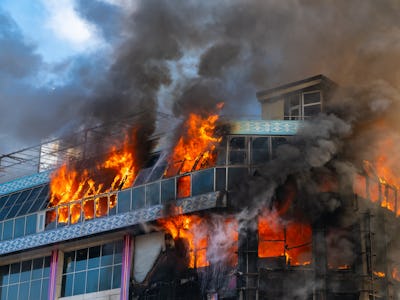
<point x="237" y="143"/>
<point x="237" y="157"/>
<point x="167" y="190"/>
<point x="94" y="257"/>
<point x="124" y="201"/>
<point x="36" y="287"/>
<point x="3" y="293"/>
<point x="153" y="194"/>
<point x="13" y="211"/>
<point x="14" y="272"/>
<point x="26" y="270"/>
<point x="81" y="260"/>
<point x="23" y="290"/>
<point x="105" y="278"/>
<point x="221" y="153"/>
<point x="4" y="276"/>
<point x="138" y="196"/>
<point x="19" y="227"/>
<point x="202" y="182"/>
<point x="3" y="201"/>
<point x="79" y="283"/>
<point x="1" y="231"/>
<point x="12" y="291"/>
<point x="157" y="172"/>
<point x="69" y="262"/>
<point x="118" y="252"/>
<point x="8" y="227"/>
<point x="116" y="277"/>
<point x="46" y="270"/>
<point x="313" y="97"/>
<point x="107" y="254"/>
<point x="30" y="226"/>
<point x="38" y="203"/>
<point x="141" y="178"/>
<point x="312" y="110"/>
<point x="45" y="288"/>
<point x="220" y="184"/>
<point x="66" y="285"/>
<point x="260" y="150"/>
<point x="37" y="269"/>
<point x="92" y="281"/>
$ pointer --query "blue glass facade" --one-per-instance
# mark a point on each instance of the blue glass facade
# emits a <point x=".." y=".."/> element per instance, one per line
<point x="26" y="280"/>
<point x="92" y="269"/>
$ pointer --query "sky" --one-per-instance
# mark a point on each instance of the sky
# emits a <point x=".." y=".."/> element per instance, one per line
<point x="70" y="64"/>
<point x="45" y="47"/>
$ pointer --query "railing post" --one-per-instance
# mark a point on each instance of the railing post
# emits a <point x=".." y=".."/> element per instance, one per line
<point x="127" y="252"/>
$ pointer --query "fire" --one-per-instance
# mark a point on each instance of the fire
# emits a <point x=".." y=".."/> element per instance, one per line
<point x="278" y="238"/>
<point x="396" y="274"/>
<point x="382" y="185"/>
<point x="344" y="267"/>
<point x="379" y="274"/>
<point x="195" y="149"/>
<point x="67" y="184"/>
<point x="207" y="241"/>
<point x="189" y="228"/>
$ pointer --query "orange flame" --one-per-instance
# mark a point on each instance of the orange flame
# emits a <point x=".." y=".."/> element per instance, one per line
<point x="67" y="184"/>
<point x="184" y="226"/>
<point x="195" y="149"/>
<point x="199" y="234"/>
<point x="292" y="240"/>
<point x="379" y="274"/>
<point x="396" y="274"/>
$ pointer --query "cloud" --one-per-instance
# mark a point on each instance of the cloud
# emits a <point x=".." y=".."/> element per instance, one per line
<point x="69" y="26"/>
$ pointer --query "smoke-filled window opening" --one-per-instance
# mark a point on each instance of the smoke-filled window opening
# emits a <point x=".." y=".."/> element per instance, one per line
<point x="28" y="279"/>
<point x="341" y="248"/>
<point x="260" y="150"/>
<point x="238" y="150"/>
<point x="92" y="269"/>
<point x="302" y="105"/>
<point x="289" y="240"/>
<point x="276" y="142"/>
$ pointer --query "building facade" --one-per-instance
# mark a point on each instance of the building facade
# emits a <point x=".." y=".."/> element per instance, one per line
<point x="118" y="245"/>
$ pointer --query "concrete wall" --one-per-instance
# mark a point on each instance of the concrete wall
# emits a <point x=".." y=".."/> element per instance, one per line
<point x="103" y="295"/>
<point x="273" y="110"/>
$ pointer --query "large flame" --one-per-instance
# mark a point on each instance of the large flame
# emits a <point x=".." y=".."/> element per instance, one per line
<point x="189" y="228"/>
<point x="279" y="238"/>
<point x="195" y="148"/>
<point x="202" y="239"/>
<point x="69" y="184"/>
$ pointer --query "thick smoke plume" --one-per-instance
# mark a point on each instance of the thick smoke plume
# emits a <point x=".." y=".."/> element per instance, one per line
<point x="180" y="56"/>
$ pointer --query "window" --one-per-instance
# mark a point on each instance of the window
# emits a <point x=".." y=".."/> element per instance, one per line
<point x="92" y="269"/>
<point x="300" y="106"/>
<point x="260" y="150"/>
<point x="237" y="150"/>
<point x="27" y="280"/>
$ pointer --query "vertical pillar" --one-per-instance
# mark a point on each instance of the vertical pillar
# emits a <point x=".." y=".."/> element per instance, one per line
<point x="248" y="258"/>
<point x="53" y="275"/>
<point x="127" y="252"/>
<point x="320" y="260"/>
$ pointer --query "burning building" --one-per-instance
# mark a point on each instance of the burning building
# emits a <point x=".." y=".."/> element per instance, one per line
<point x="225" y="209"/>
